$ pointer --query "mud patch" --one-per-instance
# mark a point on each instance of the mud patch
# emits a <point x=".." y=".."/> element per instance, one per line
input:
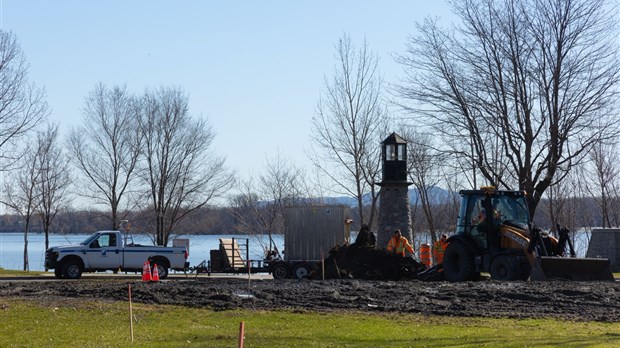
<point x="591" y="301"/>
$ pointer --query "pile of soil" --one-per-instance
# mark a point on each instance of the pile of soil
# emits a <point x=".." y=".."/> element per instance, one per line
<point x="360" y="262"/>
<point x="579" y="301"/>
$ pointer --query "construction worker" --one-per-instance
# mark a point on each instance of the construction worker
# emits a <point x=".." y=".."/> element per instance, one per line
<point x="479" y="219"/>
<point x="398" y="244"/>
<point x="439" y="248"/>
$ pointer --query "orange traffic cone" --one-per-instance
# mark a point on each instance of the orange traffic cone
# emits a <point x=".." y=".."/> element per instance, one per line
<point x="146" y="272"/>
<point x="155" y="273"/>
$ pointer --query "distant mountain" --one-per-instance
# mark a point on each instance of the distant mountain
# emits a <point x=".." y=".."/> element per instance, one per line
<point x="436" y="194"/>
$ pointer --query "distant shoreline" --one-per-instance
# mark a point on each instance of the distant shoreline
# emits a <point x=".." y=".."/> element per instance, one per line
<point x="136" y="233"/>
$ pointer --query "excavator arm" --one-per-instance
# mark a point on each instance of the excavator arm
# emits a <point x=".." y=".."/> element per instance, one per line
<point x="564" y="240"/>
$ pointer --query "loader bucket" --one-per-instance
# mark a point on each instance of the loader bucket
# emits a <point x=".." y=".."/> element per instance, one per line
<point x="578" y="269"/>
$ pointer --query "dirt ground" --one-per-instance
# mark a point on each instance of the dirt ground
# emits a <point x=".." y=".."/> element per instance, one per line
<point x="579" y="301"/>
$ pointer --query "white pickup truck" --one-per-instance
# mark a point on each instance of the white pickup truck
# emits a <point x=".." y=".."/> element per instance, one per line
<point x="104" y="251"/>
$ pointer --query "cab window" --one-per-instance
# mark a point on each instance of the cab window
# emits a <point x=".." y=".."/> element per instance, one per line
<point x="104" y="241"/>
<point x="476" y="215"/>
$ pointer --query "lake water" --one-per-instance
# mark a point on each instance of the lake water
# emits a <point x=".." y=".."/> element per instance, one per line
<point x="12" y="247"/>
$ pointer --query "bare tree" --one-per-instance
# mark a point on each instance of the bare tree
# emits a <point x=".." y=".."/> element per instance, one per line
<point x="259" y="208"/>
<point x="54" y="178"/>
<point x="39" y="185"/>
<point x="178" y="166"/>
<point x="523" y="89"/>
<point x="567" y="206"/>
<point x="106" y="147"/>
<point x="21" y="193"/>
<point x="247" y="209"/>
<point x="349" y="126"/>
<point x="22" y="104"/>
<point x="423" y="163"/>
<point x="604" y="173"/>
<point x="451" y="204"/>
<point x="562" y="202"/>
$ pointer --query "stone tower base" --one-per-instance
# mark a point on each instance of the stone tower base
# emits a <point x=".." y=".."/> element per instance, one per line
<point x="394" y="212"/>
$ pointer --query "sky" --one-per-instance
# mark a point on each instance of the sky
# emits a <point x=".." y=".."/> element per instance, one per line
<point x="254" y="69"/>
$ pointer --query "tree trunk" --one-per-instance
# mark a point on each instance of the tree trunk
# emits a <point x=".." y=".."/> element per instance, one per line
<point x="26" y="264"/>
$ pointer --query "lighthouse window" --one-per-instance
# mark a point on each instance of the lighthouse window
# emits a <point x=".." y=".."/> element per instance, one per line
<point x="390" y="152"/>
<point x="400" y="152"/>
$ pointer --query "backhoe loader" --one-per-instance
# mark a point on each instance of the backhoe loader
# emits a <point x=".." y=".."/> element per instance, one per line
<point x="495" y="235"/>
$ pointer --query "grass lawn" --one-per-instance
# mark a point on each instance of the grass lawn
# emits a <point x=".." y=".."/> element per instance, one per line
<point x="90" y="323"/>
<point x="13" y="273"/>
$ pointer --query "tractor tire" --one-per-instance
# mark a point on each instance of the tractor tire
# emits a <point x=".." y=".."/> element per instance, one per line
<point x="279" y="271"/>
<point x="300" y="270"/>
<point x="71" y="269"/>
<point x="505" y="267"/>
<point x="458" y="263"/>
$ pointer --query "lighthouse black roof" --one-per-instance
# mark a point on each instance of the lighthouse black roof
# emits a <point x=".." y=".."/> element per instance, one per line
<point x="394" y="139"/>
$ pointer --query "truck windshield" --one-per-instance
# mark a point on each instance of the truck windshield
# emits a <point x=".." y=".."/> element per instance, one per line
<point x="511" y="208"/>
<point x="90" y="239"/>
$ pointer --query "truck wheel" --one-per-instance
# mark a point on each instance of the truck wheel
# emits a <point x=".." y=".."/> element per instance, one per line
<point x="58" y="272"/>
<point x="505" y="267"/>
<point x="458" y="262"/>
<point x="300" y="270"/>
<point x="71" y="270"/>
<point x="279" y="271"/>
<point x="162" y="269"/>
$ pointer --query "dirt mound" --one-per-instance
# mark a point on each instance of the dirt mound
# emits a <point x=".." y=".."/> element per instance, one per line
<point x="361" y="262"/>
<point x="583" y="301"/>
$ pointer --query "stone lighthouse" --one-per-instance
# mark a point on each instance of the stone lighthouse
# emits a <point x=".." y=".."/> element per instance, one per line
<point x="394" y="210"/>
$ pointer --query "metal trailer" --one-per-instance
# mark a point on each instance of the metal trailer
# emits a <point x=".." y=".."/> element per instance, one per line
<point x="233" y="256"/>
<point x="309" y="233"/>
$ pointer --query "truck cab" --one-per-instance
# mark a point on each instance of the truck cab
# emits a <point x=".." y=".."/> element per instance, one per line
<point x="104" y="249"/>
<point x="485" y="210"/>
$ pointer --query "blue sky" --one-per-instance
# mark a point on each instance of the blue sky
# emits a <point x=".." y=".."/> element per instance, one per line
<point x="254" y="69"/>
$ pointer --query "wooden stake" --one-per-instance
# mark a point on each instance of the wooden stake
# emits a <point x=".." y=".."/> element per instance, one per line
<point x="337" y="269"/>
<point x="130" y="315"/>
<point x="249" y="276"/>
<point x="323" y="265"/>
<point x="241" y="334"/>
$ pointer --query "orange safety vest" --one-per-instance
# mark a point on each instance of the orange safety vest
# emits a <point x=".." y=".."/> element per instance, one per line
<point x="399" y="246"/>
<point x="439" y="248"/>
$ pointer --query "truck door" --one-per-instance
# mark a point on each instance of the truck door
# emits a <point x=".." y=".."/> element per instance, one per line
<point x="105" y="252"/>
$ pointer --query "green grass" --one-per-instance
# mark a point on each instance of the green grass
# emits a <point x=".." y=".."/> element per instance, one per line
<point x="106" y="324"/>
<point x="13" y="273"/>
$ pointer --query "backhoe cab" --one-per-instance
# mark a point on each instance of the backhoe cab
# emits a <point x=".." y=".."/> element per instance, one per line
<point x="494" y="235"/>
